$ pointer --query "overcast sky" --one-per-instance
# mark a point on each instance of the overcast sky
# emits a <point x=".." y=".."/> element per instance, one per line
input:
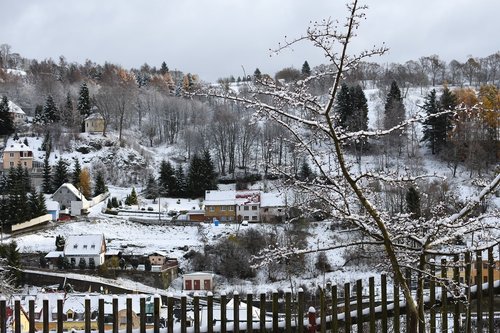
<point x="218" y="38"/>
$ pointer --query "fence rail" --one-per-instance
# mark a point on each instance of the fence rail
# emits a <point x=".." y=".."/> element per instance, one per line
<point x="375" y="307"/>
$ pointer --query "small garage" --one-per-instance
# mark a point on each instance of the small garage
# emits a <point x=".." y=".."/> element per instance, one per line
<point x="198" y="281"/>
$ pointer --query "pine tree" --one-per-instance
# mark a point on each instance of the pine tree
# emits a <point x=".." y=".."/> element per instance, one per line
<point x="201" y="175"/>
<point x="306" y="70"/>
<point x="180" y="182"/>
<point x="47" y="143"/>
<point x="151" y="190"/>
<point x="67" y="112"/>
<point x="6" y="123"/>
<point x="413" y="202"/>
<point x="100" y="185"/>
<point x="305" y="173"/>
<point x="208" y="172"/>
<point x="84" y="182"/>
<point x="343" y="106"/>
<point x="394" y="107"/>
<point x="132" y="198"/>
<point x="257" y="75"/>
<point x="75" y="177"/>
<point x="60" y="175"/>
<point x="42" y="207"/>
<point x="359" y="121"/>
<point x="164" y="68"/>
<point x="167" y="182"/>
<point x="50" y="111"/>
<point x="83" y="105"/>
<point x="47" y="176"/>
<point x="430" y="130"/>
<point x="38" y="118"/>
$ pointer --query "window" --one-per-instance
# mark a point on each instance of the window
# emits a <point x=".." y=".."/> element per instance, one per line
<point x="75" y="246"/>
<point x="254" y="218"/>
<point x="231" y="208"/>
<point x="11" y="154"/>
<point x="246" y="208"/>
<point x="223" y="208"/>
<point x="254" y="207"/>
<point x="485" y="265"/>
<point x="245" y="217"/>
<point x="12" y="164"/>
<point x="85" y="246"/>
<point x="92" y="246"/>
<point x="211" y="208"/>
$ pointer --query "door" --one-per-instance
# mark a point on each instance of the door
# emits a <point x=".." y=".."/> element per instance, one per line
<point x="188" y="285"/>
<point x="206" y="285"/>
<point x="196" y="284"/>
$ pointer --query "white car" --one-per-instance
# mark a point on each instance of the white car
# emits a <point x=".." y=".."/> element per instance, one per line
<point x="244" y="223"/>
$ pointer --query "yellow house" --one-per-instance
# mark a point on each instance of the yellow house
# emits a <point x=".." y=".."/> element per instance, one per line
<point x="473" y="278"/>
<point x="220" y="205"/>
<point x="94" y="123"/>
<point x="15" y="153"/>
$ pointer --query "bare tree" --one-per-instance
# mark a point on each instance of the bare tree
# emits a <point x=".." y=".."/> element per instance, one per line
<point x="346" y="191"/>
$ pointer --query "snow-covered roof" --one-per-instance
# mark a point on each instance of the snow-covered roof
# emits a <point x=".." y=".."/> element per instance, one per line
<point x="14" y="108"/>
<point x="272" y="199"/>
<point x="159" y="253"/>
<point x="213" y="197"/>
<point x="13" y="145"/>
<point x="52" y="205"/>
<point x="198" y="274"/>
<point x="70" y="187"/>
<point x="83" y="245"/>
<point x="54" y="254"/>
<point x="94" y="116"/>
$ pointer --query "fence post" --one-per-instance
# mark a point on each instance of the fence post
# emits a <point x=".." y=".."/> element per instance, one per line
<point x="210" y="312"/>
<point x="359" y="305"/>
<point x="223" y="312"/>
<point x="335" y="322"/>
<point x="156" y="313"/>
<point x="31" y="314"/>
<point x="249" y="312"/>
<point x="142" y="314"/>
<point x="115" y="314"/>
<point x="467" y="281"/>
<point x="456" y="279"/>
<point x="130" y="323"/>
<point x="444" y="296"/>
<point x="183" y="313"/>
<point x="479" y="286"/>
<point x="170" y="313"/>
<point x="396" y="321"/>
<point x="87" y="314"/>
<point x="275" y="311"/>
<point x="408" y="316"/>
<point x="17" y="314"/>
<point x="371" y="295"/>
<point x="45" y="315"/>
<point x="300" y="310"/>
<point x="196" y="309"/>
<point x="262" y="310"/>
<point x="3" y="314"/>
<point x="100" y="314"/>
<point x="60" y="318"/>
<point x="432" y="296"/>
<point x="491" y="296"/>
<point x="311" y="326"/>
<point x="383" y="295"/>
<point x="347" y="307"/>
<point x="236" y="312"/>
<point x="322" y="310"/>
<point x="288" y="311"/>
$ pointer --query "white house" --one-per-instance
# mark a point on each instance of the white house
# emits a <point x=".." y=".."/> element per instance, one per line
<point x="247" y="205"/>
<point x="87" y="247"/>
<point x="17" y="114"/>
<point x="68" y="196"/>
<point x="272" y="207"/>
<point x="198" y="281"/>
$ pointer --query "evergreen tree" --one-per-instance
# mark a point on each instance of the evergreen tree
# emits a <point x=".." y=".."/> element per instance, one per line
<point x="75" y="177"/>
<point x="84" y="183"/>
<point x="100" y="185"/>
<point x="201" y="176"/>
<point x="343" y="106"/>
<point x="359" y="104"/>
<point x="208" y="172"/>
<point x="305" y="173"/>
<point x="394" y="107"/>
<point x="151" y="190"/>
<point x="50" y="111"/>
<point x="164" y="68"/>
<point x="306" y="70"/>
<point x="42" y="206"/>
<point x="132" y="198"/>
<point x="167" y="182"/>
<point x="67" y="112"/>
<point x="180" y="182"/>
<point x="47" y="143"/>
<point x="37" y="206"/>
<point x="60" y="175"/>
<point x="430" y="126"/>
<point x="13" y="262"/>
<point x="83" y="105"/>
<point x="6" y="122"/>
<point x="257" y="75"/>
<point x="413" y="202"/>
<point x="47" y="176"/>
<point x="38" y="118"/>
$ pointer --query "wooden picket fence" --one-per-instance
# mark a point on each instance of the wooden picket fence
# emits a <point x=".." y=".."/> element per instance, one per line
<point x="377" y="307"/>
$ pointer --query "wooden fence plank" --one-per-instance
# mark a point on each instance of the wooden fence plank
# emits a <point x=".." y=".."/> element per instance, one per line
<point x="262" y="307"/>
<point x="359" y="305"/>
<point x="183" y="313"/>
<point x="383" y="304"/>
<point x="196" y="310"/>
<point x="396" y="322"/>
<point x="100" y="316"/>
<point x="432" y="297"/>
<point x="467" y="281"/>
<point x="288" y="311"/>
<point x="88" y="313"/>
<point x="249" y="312"/>
<point x="223" y="312"/>
<point x="444" y="297"/>
<point x="170" y="312"/>
<point x="456" y="279"/>
<point x="236" y="312"/>
<point x="275" y="311"/>
<point x="3" y="314"/>
<point x="210" y="312"/>
<point x="335" y="323"/>
<point x="300" y="309"/>
<point x="347" y="307"/>
<point x="17" y="315"/>
<point x="491" y="291"/>
<point x="479" y="286"/>
<point x="142" y="315"/>
<point x="371" y="295"/>
<point x="322" y="310"/>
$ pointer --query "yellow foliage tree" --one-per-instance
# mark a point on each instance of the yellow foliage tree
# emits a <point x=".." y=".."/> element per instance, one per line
<point x="85" y="186"/>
